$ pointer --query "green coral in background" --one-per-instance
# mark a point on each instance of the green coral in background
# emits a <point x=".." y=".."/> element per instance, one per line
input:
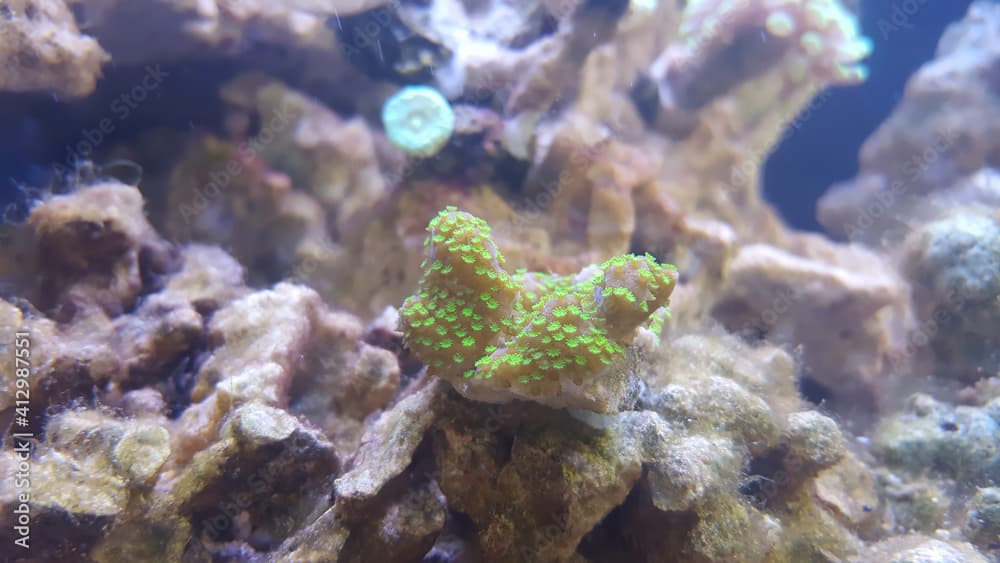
<point x="473" y="321"/>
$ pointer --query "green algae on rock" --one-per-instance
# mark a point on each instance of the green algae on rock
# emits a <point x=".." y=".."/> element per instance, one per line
<point x="930" y="436"/>
<point x="497" y="336"/>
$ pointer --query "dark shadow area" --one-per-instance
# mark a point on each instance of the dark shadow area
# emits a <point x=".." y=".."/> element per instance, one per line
<point x="41" y="134"/>
<point x="824" y="150"/>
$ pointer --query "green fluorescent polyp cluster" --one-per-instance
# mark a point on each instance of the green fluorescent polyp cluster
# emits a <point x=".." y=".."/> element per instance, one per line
<point x="418" y="120"/>
<point x="472" y="320"/>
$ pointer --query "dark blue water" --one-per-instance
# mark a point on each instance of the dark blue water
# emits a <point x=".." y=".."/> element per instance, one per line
<point x="824" y="149"/>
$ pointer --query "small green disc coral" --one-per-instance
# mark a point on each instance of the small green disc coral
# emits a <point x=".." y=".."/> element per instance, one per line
<point x="418" y="120"/>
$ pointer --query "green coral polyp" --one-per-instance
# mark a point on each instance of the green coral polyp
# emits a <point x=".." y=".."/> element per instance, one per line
<point x="526" y="329"/>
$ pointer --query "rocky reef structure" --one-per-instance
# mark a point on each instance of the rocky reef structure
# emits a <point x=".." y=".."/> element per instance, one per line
<point x="42" y="49"/>
<point x="931" y="146"/>
<point x="777" y="294"/>
<point x="953" y="264"/>
<point x="820" y="37"/>
<point x="277" y="346"/>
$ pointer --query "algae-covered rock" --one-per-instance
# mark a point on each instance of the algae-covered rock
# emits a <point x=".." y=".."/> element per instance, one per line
<point x="95" y="246"/>
<point x="378" y="508"/>
<point x="958" y="442"/>
<point x="707" y="387"/>
<point x="135" y="450"/>
<point x="849" y="490"/>
<point x="141" y="452"/>
<point x="982" y="526"/>
<point x="208" y="278"/>
<point x="82" y="480"/>
<point x="258" y="482"/>
<point x="42" y="49"/>
<point x="779" y="294"/>
<point x="536" y="500"/>
<point x="260" y="338"/>
<point x="156" y="534"/>
<point x="915" y="505"/>
<point x="953" y="264"/>
<point x="346" y="379"/>
<point x="72" y="499"/>
<point x="690" y="469"/>
<point x="717" y="404"/>
<point x="814" y="443"/>
<point x="218" y="392"/>
<point x="403" y="527"/>
<point x="261" y="335"/>
<point x="153" y="339"/>
<point x="726" y="530"/>
<point x="388" y="445"/>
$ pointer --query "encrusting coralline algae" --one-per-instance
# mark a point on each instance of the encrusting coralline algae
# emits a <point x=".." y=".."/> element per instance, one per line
<point x="306" y="336"/>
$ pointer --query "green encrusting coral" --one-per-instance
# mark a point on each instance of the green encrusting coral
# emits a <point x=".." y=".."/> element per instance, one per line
<point x="473" y="320"/>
